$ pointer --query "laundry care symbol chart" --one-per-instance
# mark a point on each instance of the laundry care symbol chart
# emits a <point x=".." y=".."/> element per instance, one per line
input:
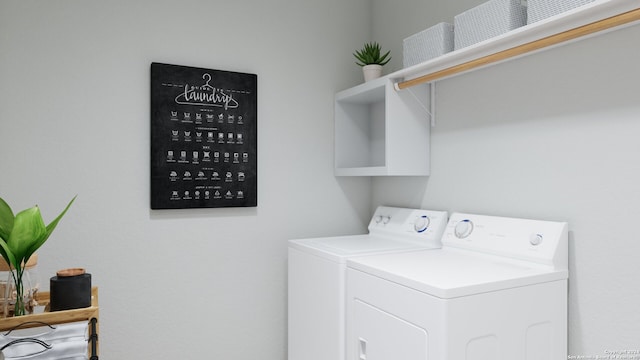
<point x="203" y="138"/>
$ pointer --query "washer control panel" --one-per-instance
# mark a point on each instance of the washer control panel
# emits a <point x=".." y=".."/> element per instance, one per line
<point x="409" y="224"/>
<point x="532" y="240"/>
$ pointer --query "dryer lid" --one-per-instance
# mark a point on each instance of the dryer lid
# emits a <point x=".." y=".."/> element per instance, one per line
<point x="449" y="273"/>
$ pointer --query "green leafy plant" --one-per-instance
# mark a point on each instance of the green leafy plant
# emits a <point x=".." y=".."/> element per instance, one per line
<point x="20" y="236"/>
<point x="370" y="55"/>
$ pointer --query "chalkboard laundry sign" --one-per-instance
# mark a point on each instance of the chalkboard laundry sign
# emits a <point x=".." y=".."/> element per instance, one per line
<point x="203" y="138"/>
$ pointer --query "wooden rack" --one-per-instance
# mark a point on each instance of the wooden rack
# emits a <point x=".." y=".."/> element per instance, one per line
<point x="89" y="314"/>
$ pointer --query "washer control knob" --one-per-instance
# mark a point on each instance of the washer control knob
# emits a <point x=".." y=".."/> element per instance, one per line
<point x="535" y="239"/>
<point x="421" y="224"/>
<point x="386" y="219"/>
<point x="463" y="229"/>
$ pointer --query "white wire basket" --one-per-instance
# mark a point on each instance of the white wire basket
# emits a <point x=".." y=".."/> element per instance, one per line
<point x="488" y="20"/>
<point x="46" y="342"/>
<point x="542" y="9"/>
<point x="427" y="44"/>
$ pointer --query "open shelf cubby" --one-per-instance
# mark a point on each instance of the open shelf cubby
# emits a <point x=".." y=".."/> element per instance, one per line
<point x="380" y="131"/>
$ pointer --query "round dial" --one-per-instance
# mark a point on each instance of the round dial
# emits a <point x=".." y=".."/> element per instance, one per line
<point x="535" y="239"/>
<point x="463" y="229"/>
<point x="386" y="219"/>
<point x="378" y="219"/>
<point x="421" y="224"/>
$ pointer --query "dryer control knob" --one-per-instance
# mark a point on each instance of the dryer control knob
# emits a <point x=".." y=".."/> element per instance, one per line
<point x="421" y="224"/>
<point x="463" y="229"/>
<point x="378" y="219"/>
<point x="386" y="219"/>
<point x="535" y="239"/>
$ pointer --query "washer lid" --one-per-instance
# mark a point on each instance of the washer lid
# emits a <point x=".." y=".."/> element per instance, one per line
<point x="341" y="247"/>
<point x="450" y="273"/>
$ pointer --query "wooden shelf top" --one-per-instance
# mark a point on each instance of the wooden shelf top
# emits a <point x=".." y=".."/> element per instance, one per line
<point x="56" y="317"/>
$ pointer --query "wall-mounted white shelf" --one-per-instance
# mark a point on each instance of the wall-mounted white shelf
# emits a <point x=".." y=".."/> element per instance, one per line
<point x="580" y="23"/>
<point x="381" y="128"/>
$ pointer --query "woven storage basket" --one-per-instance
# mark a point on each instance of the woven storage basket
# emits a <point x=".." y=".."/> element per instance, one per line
<point x="487" y="20"/>
<point x="427" y="44"/>
<point x="542" y="9"/>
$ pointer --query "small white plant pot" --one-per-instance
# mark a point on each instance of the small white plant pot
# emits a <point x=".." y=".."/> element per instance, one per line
<point x="371" y="72"/>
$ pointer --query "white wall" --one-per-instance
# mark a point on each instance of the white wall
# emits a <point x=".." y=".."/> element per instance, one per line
<point x="74" y="119"/>
<point x="550" y="136"/>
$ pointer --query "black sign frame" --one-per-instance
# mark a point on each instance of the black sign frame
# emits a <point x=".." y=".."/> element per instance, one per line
<point x="203" y="138"/>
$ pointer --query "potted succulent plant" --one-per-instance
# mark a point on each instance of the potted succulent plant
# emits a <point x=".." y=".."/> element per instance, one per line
<point x="371" y="59"/>
<point x="20" y="236"/>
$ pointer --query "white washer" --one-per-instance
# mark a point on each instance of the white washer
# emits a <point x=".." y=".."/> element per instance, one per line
<point x="497" y="290"/>
<point x="317" y="270"/>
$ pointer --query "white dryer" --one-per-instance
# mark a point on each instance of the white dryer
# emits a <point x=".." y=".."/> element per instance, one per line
<point x="497" y="290"/>
<point x="317" y="271"/>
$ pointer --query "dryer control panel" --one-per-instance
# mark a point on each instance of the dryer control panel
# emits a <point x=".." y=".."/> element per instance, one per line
<point x="411" y="224"/>
<point x="538" y="241"/>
